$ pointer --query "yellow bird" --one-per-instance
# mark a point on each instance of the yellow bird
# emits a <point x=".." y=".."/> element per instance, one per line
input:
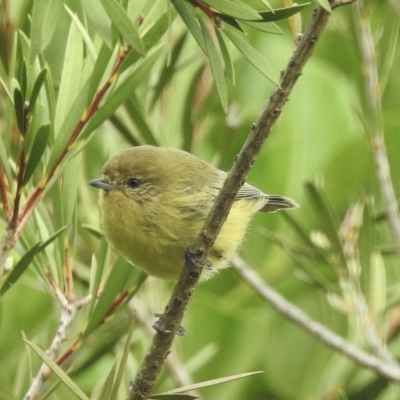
<point x="154" y="202"/>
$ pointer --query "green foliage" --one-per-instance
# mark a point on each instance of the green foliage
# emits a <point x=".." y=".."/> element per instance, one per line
<point x="80" y="81"/>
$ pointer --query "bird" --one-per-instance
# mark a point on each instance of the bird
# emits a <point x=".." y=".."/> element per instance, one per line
<point x="153" y="202"/>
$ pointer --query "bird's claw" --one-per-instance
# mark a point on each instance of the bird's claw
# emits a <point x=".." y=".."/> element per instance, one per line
<point x="157" y="327"/>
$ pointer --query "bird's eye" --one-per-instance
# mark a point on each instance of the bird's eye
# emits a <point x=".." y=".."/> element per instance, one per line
<point x="133" y="183"/>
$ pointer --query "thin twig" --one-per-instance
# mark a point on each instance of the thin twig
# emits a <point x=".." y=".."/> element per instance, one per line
<point x="169" y="324"/>
<point x="387" y="369"/>
<point x="373" y="97"/>
<point x="67" y="316"/>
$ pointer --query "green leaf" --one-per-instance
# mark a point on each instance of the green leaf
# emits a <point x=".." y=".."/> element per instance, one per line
<point x="45" y="17"/>
<point x="121" y="93"/>
<point x="99" y="18"/>
<point x="209" y="383"/>
<point x="38" y="147"/>
<point x="5" y="160"/>
<point x="187" y="114"/>
<point x="39" y="12"/>
<point x="169" y="71"/>
<point x="251" y="54"/>
<point x="19" y="268"/>
<point x="123" y="24"/>
<point x="36" y="89"/>
<point x="215" y="63"/>
<point x="70" y="123"/>
<point x="97" y="74"/>
<point x="139" y="118"/>
<point x="70" y="78"/>
<point x="70" y="185"/>
<point x="97" y="272"/>
<point x="8" y="93"/>
<point x="26" y="260"/>
<point x="57" y="370"/>
<point x="122" y="364"/>
<point x="119" y="276"/>
<point x="153" y="34"/>
<point x="232" y="22"/>
<point x="190" y="22"/>
<point x="85" y="35"/>
<point x="230" y="72"/>
<point x="107" y="388"/>
<point x="234" y="9"/>
<point x="267" y="27"/>
<point x="23" y="79"/>
<point x="19" y="110"/>
<point x="280" y="13"/>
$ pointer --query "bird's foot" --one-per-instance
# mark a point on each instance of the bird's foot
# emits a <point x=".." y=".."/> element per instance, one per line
<point x="160" y="329"/>
<point x="191" y="260"/>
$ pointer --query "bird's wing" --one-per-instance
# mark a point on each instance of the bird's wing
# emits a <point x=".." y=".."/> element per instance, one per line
<point x="246" y="192"/>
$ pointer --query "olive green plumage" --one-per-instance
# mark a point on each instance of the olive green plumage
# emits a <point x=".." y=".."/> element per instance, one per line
<point x="154" y="202"/>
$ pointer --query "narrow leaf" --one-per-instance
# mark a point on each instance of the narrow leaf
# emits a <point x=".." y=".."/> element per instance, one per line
<point x="122" y="364"/>
<point x="251" y="54"/>
<point x="19" y="109"/>
<point x="85" y="35"/>
<point x="70" y="78"/>
<point x="230" y="72"/>
<point x="123" y="24"/>
<point x="70" y="122"/>
<point x="212" y="382"/>
<point x="232" y="22"/>
<point x="215" y="63"/>
<point x="8" y="93"/>
<point x="115" y="284"/>
<point x="281" y="13"/>
<point x="39" y="12"/>
<point x="57" y="370"/>
<point x="190" y="22"/>
<point x="267" y="27"/>
<point x="97" y="73"/>
<point x="36" y="89"/>
<point x="23" y="79"/>
<point x="70" y="186"/>
<point x="234" y="9"/>
<point x="169" y="71"/>
<point x="97" y="273"/>
<point x="377" y="285"/>
<point x="38" y="147"/>
<point x="139" y="118"/>
<point x="20" y="268"/>
<point x="99" y="18"/>
<point x="107" y="388"/>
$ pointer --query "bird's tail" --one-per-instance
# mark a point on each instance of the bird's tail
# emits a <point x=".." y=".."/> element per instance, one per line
<point x="276" y="203"/>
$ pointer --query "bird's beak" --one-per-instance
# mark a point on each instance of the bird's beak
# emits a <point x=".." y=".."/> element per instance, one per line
<point x="101" y="183"/>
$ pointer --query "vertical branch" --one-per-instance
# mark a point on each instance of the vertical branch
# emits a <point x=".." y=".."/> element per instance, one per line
<point x="373" y="95"/>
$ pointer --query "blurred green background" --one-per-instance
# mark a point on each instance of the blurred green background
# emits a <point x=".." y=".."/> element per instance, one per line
<point x="319" y="138"/>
